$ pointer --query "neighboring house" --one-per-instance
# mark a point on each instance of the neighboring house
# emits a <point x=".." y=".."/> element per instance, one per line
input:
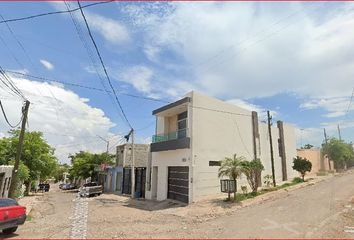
<point x="194" y="133"/>
<point x="319" y="163"/>
<point x="5" y="180"/>
<point x="118" y="178"/>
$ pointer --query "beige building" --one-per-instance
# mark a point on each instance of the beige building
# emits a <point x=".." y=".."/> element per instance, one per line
<point x="319" y="163"/>
<point x="194" y="133"/>
<point x="5" y="180"/>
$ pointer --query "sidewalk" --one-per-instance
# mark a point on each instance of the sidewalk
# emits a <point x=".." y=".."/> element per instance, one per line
<point x="30" y="201"/>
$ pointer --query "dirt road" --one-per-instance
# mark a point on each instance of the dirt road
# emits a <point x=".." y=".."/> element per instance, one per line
<point x="325" y="209"/>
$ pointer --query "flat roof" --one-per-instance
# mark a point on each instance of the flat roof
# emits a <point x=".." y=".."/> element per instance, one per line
<point x="171" y="105"/>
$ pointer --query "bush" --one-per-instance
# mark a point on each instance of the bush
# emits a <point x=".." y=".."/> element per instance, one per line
<point x="302" y="165"/>
<point x="297" y="180"/>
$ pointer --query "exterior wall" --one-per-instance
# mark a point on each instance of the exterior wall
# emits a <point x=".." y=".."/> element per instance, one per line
<point x="5" y="180"/>
<point x="314" y="156"/>
<point x="290" y="150"/>
<point x="124" y="155"/>
<point x="111" y="178"/>
<point x="162" y="160"/>
<point x="214" y="136"/>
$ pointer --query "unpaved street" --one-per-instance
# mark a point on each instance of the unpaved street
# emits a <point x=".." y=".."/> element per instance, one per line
<point x="324" y="209"/>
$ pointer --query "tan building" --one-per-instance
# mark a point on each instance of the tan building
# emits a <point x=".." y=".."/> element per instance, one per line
<point x="319" y="163"/>
<point x="196" y="132"/>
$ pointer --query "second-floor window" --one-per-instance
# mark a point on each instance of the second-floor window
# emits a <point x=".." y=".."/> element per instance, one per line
<point x="182" y="125"/>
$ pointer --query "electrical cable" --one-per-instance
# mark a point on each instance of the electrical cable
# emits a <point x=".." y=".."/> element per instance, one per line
<point x="7" y="120"/>
<point x="52" y="13"/>
<point x="84" y="86"/>
<point x="102" y="63"/>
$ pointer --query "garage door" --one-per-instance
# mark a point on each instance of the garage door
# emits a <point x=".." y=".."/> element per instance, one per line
<point x="178" y="183"/>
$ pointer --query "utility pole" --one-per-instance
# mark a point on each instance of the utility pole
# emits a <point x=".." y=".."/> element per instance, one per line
<point x="326" y="142"/>
<point x="133" y="165"/>
<point x="106" y="141"/>
<point x="19" y="150"/>
<point x="325" y="136"/>
<point x="271" y="147"/>
<point x="339" y="135"/>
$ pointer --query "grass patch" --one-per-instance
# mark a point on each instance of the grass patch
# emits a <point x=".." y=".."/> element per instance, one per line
<point x="243" y="196"/>
<point x="29" y="218"/>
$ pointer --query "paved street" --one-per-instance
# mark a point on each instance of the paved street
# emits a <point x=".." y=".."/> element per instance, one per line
<point x="325" y="209"/>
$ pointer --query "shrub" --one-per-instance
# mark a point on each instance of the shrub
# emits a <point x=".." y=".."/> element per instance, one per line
<point x="302" y="165"/>
<point x="297" y="180"/>
<point x="252" y="170"/>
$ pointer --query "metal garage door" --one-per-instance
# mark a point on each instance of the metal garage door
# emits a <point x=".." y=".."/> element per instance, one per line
<point x="178" y="183"/>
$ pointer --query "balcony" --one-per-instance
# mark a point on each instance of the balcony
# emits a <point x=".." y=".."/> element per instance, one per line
<point x="170" y="141"/>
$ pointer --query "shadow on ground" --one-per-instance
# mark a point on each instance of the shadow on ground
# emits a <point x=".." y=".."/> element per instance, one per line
<point x="142" y="204"/>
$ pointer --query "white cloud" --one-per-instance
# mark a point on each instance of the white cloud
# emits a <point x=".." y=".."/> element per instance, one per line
<point x="139" y="76"/>
<point x="229" y="49"/>
<point x="68" y="121"/>
<point x="112" y="30"/>
<point x="335" y="106"/>
<point x="262" y="112"/>
<point x="48" y="65"/>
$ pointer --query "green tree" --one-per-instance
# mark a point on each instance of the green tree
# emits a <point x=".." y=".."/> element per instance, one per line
<point x="59" y="172"/>
<point x="232" y="168"/>
<point x="302" y="165"/>
<point x="252" y="170"/>
<point x="37" y="154"/>
<point x="340" y="152"/>
<point x="84" y="163"/>
<point x="307" y="146"/>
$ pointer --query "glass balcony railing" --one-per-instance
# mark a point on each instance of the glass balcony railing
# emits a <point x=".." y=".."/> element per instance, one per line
<point x="182" y="133"/>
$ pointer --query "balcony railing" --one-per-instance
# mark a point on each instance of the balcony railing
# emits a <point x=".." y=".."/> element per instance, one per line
<point x="182" y="133"/>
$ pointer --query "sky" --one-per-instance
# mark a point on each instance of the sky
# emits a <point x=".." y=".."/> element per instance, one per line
<point x="295" y="59"/>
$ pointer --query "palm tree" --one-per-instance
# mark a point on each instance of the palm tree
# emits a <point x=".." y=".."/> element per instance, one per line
<point x="232" y="168"/>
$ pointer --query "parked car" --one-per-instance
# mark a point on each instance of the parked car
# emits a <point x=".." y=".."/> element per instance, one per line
<point x="68" y="186"/>
<point x="91" y="189"/>
<point x="11" y="215"/>
<point x="61" y="185"/>
<point x="44" y="187"/>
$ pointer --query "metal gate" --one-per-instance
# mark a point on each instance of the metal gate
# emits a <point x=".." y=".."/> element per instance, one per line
<point x="140" y="175"/>
<point x="178" y="183"/>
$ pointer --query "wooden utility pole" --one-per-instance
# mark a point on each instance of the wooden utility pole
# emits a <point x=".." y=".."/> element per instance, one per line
<point x="271" y="147"/>
<point x="12" y="191"/>
<point x="339" y="135"/>
<point x="326" y="142"/>
<point x="133" y="165"/>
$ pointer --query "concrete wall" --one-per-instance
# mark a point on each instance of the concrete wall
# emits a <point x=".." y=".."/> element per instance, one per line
<point x="110" y="184"/>
<point x="124" y="155"/>
<point x="217" y="130"/>
<point x="162" y="160"/>
<point x="216" y="135"/>
<point x="314" y="156"/>
<point x="5" y="180"/>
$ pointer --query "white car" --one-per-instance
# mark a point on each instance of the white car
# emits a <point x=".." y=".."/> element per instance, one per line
<point x="90" y="189"/>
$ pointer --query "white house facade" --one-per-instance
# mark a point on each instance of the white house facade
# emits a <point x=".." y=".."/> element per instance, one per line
<point x="194" y="133"/>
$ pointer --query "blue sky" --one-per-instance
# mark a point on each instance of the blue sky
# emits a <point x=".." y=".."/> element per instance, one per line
<point x="295" y="59"/>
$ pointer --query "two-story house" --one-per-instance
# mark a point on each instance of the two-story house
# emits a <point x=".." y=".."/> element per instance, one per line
<point x="194" y="133"/>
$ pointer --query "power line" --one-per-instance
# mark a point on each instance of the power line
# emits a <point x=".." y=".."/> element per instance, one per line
<point x="350" y="103"/>
<point x="221" y="111"/>
<point x="52" y="13"/>
<point x="10" y="84"/>
<point x="85" y="86"/>
<point x="7" y="120"/>
<point x="103" y="66"/>
<point x="82" y="38"/>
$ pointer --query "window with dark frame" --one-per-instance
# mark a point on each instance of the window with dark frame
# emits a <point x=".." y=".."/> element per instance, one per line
<point x="214" y="163"/>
